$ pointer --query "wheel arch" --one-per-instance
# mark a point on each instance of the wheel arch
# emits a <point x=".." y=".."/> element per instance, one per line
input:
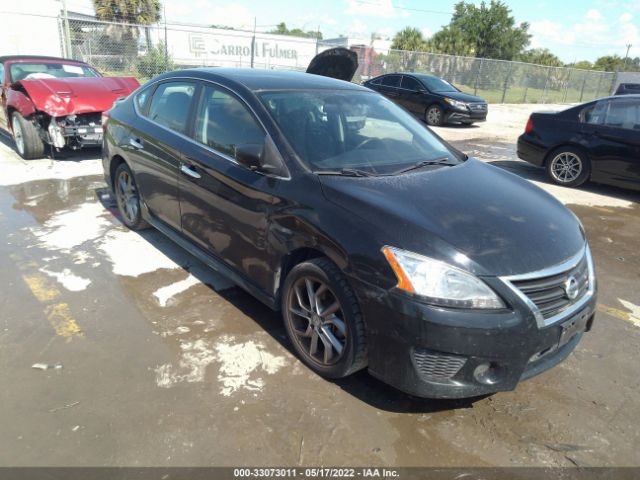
<point x="114" y="163"/>
<point x="301" y="254"/>
<point x="573" y="145"/>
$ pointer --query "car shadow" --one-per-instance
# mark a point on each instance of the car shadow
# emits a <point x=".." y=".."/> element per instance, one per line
<point x="360" y="385"/>
<point x="464" y="126"/>
<point x="538" y="174"/>
<point x="89" y="153"/>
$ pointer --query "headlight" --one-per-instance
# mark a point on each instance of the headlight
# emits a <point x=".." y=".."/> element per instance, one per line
<point x="456" y="103"/>
<point x="440" y="283"/>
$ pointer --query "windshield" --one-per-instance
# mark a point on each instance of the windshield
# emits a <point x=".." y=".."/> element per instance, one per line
<point x="435" y="84"/>
<point x="335" y="130"/>
<point x="29" y="71"/>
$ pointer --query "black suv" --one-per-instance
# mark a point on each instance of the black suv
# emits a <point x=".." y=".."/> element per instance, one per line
<point x="628" y="89"/>
<point x="431" y="98"/>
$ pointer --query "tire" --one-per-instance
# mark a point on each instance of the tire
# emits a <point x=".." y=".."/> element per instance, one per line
<point x="128" y="198"/>
<point x="568" y="166"/>
<point x="345" y="324"/>
<point x="29" y="145"/>
<point x="434" y="116"/>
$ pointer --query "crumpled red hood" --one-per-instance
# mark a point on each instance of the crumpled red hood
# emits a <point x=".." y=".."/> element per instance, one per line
<point x="65" y="96"/>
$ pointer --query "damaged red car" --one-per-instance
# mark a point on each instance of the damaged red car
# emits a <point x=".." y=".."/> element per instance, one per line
<point x="55" y="101"/>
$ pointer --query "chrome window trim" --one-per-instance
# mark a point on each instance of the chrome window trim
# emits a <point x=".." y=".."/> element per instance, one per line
<point x="193" y="140"/>
<point x="551" y="271"/>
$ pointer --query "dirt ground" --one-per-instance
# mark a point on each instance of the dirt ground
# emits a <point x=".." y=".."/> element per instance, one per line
<point x="165" y="363"/>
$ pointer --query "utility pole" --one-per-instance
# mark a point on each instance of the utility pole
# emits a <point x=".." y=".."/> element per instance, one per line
<point x="627" y="54"/>
<point x="166" y="45"/>
<point x="253" y="42"/>
<point x="67" y="34"/>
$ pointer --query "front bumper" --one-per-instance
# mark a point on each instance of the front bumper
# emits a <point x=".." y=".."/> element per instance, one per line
<point x="436" y="352"/>
<point x="61" y="136"/>
<point x="465" y="116"/>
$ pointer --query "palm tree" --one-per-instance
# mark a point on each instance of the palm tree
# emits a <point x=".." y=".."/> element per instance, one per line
<point x="128" y="13"/>
<point x="410" y="39"/>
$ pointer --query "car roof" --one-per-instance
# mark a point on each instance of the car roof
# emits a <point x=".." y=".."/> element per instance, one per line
<point x="13" y="58"/>
<point x="406" y="74"/>
<point x="258" y="79"/>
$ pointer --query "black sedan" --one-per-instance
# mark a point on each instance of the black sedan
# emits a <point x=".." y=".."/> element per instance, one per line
<point x="383" y="247"/>
<point x="430" y="98"/>
<point x="598" y="141"/>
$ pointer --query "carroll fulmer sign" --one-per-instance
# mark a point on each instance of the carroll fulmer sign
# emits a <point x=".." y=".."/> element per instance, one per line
<point x="231" y="48"/>
<point x="264" y="49"/>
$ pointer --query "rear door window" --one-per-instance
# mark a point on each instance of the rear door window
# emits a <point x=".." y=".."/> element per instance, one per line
<point x="623" y="114"/>
<point x="171" y="103"/>
<point x="410" y="83"/>
<point x="1" y="73"/>
<point x="223" y="121"/>
<point x="391" y="81"/>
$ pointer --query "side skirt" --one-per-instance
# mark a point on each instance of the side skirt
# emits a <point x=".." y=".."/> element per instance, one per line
<point x="213" y="262"/>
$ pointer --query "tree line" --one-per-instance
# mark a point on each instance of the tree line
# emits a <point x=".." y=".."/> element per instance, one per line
<point x="490" y="31"/>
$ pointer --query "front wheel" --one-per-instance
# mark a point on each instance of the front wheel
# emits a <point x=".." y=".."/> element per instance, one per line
<point x="568" y="166"/>
<point x="323" y="319"/>
<point x="25" y="134"/>
<point x="434" y="116"/>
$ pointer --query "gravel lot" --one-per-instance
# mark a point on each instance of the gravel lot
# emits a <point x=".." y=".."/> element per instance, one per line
<point x="166" y="363"/>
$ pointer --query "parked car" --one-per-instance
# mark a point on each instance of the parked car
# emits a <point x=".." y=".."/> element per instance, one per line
<point x="55" y="101"/>
<point x="383" y="247"/>
<point x="430" y="98"/>
<point x="628" y="89"/>
<point x="598" y="141"/>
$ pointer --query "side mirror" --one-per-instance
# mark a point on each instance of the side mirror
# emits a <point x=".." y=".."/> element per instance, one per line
<point x="250" y="155"/>
<point x="262" y="157"/>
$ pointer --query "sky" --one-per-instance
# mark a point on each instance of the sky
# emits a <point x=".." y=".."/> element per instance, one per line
<point x="572" y="29"/>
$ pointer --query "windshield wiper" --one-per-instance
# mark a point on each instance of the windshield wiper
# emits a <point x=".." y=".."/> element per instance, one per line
<point x="425" y="163"/>
<point x="347" y="172"/>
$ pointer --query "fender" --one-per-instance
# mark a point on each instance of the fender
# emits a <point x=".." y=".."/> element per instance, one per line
<point x="18" y="100"/>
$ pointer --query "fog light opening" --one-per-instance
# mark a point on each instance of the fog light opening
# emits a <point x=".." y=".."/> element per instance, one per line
<point x="487" y="373"/>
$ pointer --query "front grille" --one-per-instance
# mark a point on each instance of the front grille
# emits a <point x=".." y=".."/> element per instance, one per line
<point x="478" y="107"/>
<point x="436" y="365"/>
<point x="549" y="294"/>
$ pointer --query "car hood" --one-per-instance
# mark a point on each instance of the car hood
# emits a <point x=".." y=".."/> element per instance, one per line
<point x="503" y="224"/>
<point x="66" y="96"/>
<point x="463" y="97"/>
<point x="340" y="63"/>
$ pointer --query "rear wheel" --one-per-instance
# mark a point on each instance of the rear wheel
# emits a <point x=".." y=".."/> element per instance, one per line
<point x="434" y="116"/>
<point x="28" y="142"/>
<point x="323" y="319"/>
<point x="568" y="166"/>
<point x="128" y="198"/>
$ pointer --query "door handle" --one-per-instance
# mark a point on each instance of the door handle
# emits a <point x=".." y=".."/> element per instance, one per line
<point x="188" y="170"/>
<point x="135" y="143"/>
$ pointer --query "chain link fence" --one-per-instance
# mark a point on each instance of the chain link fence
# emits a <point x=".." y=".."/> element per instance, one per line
<point x="498" y="81"/>
<point x="145" y="51"/>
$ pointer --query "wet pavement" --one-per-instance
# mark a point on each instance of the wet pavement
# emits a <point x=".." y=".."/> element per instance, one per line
<point x="164" y="362"/>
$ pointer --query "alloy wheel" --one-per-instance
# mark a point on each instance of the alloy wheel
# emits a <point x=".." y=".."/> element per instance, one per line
<point x="317" y="320"/>
<point x="433" y="116"/>
<point x="18" y="136"/>
<point x="566" y="167"/>
<point x="127" y="196"/>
